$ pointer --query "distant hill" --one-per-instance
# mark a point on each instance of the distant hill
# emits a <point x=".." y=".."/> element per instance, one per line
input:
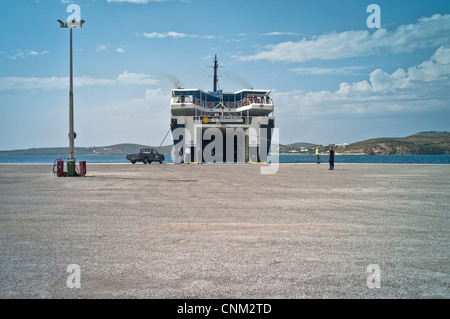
<point x="423" y="143"/>
<point x="296" y="148"/>
<point x="101" y="150"/>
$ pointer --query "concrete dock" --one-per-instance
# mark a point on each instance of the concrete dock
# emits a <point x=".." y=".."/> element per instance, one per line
<point x="226" y="231"/>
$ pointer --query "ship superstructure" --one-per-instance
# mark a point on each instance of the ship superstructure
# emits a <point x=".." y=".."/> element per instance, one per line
<point x="222" y="127"/>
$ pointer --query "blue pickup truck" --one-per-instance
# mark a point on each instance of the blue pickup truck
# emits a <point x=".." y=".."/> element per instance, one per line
<point x="146" y="155"/>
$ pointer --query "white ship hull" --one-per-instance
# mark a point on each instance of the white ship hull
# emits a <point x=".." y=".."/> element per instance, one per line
<point x="235" y="127"/>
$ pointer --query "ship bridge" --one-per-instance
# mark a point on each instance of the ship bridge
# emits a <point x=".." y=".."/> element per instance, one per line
<point x="202" y="103"/>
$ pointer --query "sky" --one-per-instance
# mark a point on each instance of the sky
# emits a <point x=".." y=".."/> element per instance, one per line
<point x="338" y="72"/>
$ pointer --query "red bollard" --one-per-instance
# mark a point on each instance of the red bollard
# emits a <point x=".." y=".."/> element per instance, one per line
<point x="82" y="168"/>
<point x="60" y="170"/>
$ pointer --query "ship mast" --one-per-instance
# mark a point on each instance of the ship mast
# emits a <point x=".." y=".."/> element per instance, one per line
<point x="216" y="66"/>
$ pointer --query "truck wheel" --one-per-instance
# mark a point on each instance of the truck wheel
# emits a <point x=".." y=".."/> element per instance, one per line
<point x="133" y="162"/>
<point x="161" y="161"/>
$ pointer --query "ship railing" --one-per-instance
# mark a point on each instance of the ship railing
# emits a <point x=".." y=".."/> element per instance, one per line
<point x="183" y="99"/>
<point x="221" y="105"/>
<point x="255" y="100"/>
<point x="232" y="105"/>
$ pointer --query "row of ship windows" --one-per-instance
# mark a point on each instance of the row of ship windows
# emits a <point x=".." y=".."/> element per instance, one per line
<point x="229" y="105"/>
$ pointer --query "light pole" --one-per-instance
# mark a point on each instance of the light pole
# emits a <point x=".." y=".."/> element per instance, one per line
<point x="71" y="25"/>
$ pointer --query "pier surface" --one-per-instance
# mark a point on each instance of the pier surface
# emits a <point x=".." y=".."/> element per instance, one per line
<point x="226" y="231"/>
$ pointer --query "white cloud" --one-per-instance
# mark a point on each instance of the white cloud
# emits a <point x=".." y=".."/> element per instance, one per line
<point x="280" y="33"/>
<point x="420" y="88"/>
<point x="323" y="71"/>
<point x="105" y="48"/>
<point x="21" y="54"/>
<point x="427" y="32"/>
<point x="139" y="1"/>
<point x="58" y="83"/>
<point x="170" y="34"/>
<point x="156" y="96"/>
<point x="18" y="54"/>
<point x="50" y="83"/>
<point x="135" y="79"/>
<point x="175" y="35"/>
<point x="101" y="48"/>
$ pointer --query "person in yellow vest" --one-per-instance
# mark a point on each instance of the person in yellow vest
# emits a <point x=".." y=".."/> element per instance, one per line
<point x="318" y="154"/>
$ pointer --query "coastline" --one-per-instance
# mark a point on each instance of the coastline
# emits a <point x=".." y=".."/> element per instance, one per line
<point x="226" y="164"/>
<point x="281" y="159"/>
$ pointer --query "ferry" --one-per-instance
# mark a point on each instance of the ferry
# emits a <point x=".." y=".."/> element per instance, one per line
<point x="215" y="126"/>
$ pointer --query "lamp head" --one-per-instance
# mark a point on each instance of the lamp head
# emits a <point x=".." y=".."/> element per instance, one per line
<point x="72" y="24"/>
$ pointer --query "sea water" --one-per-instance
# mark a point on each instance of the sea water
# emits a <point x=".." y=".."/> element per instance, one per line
<point x="283" y="159"/>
